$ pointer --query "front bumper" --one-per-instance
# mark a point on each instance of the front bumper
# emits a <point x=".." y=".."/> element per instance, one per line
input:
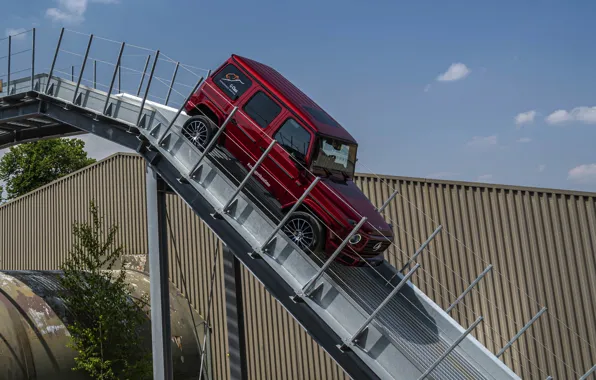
<point x="370" y="250"/>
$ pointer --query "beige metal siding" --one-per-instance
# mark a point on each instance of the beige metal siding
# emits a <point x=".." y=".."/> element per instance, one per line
<point x="543" y="241"/>
<point x="542" y="245"/>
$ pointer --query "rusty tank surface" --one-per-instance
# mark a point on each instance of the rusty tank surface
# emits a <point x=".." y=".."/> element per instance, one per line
<point x="34" y="333"/>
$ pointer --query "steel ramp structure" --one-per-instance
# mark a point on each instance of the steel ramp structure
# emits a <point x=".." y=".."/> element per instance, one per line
<point x="410" y="337"/>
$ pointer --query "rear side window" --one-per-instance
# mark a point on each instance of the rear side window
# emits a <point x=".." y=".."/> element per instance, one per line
<point x="293" y="138"/>
<point x="262" y="109"/>
<point x="232" y="81"/>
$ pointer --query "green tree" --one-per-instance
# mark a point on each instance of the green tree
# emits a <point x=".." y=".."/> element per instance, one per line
<point x="27" y="166"/>
<point x="106" y="323"/>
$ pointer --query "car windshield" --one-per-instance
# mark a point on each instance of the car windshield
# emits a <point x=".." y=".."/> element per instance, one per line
<point x="335" y="155"/>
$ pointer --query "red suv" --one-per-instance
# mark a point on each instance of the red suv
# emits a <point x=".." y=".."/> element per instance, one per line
<point x="309" y="143"/>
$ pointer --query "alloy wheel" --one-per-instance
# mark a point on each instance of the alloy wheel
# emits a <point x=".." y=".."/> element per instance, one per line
<point x="301" y="232"/>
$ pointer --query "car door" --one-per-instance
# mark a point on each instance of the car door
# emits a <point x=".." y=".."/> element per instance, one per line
<point x="257" y="111"/>
<point x="290" y="157"/>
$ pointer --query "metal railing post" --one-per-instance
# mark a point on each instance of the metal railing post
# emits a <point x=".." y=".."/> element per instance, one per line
<point x="590" y="371"/>
<point x="180" y="111"/>
<point x="72" y="73"/>
<point x="469" y="288"/>
<point x="213" y="140"/>
<point x="116" y="70"/>
<point x="306" y="288"/>
<point x="148" y="87"/>
<point x="76" y="92"/>
<point x="523" y="330"/>
<point x="9" y="57"/>
<point x="33" y="60"/>
<point x="172" y="83"/>
<point x="119" y="80"/>
<point x="422" y="247"/>
<point x="95" y="74"/>
<point x="453" y="346"/>
<point x="383" y="304"/>
<point x="143" y="76"/>
<point x="249" y="175"/>
<point x="289" y="213"/>
<point x="417" y="253"/>
<point x="54" y="60"/>
<point x="388" y="201"/>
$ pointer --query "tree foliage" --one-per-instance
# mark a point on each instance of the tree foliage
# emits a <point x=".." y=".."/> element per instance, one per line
<point x="106" y="322"/>
<point x="27" y="166"/>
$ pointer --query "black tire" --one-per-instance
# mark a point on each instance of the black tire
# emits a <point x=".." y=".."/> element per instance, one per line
<point x="199" y="130"/>
<point x="312" y="237"/>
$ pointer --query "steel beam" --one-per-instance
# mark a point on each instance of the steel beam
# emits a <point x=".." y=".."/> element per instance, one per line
<point x="158" y="275"/>
<point x="144" y="73"/>
<point x="469" y="288"/>
<point x="590" y="371"/>
<point x="54" y="60"/>
<point x="9" y="61"/>
<point x="76" y="91"/>
<point x="116" y="70"/>
<point x="226" y="207"/>
<point x="33" y="60"/>
<point x="383" y="304"/>
<point x="388" y="201"/>
<point x="289" y="214"/>
<point x="172" y="83"/>
<point x="523" y="330"/>
<point x="163" y="136"/>
<point x="306" y="288"/>
<point x="148" y="88"/>
<point x="213" y="141"/>
<point x="451" y="348"/>
<point x="235" y="316"/>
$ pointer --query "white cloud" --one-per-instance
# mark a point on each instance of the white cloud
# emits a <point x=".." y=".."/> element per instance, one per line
<point x="559" y="116"/>
<point x="483" y="141"/>
<point x="455" y="72"/>
<point x="582" y="114"/>
<point x="583" y="174"/>
<point x="484" y="177"/>
<point x="524" y="140"/>
<point x="426" y="88"/>
<point x="541" y="168"/>
<point x="72" y="11"/>
<point x="18" y="33"/>
<point x="525" y="117"/>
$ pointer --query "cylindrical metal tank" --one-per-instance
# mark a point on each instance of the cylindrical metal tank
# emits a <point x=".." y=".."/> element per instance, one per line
<point x="33" y="334"/>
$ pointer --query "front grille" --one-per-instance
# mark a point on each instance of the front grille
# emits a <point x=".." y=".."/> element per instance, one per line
<point x="369" y="247"/>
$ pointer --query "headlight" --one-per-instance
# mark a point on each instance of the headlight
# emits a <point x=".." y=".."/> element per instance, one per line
<point x="355" y="239"/>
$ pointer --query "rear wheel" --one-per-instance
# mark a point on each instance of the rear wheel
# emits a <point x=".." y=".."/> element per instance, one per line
<point x="199" y="130"/>
<point x="305" y="231"/>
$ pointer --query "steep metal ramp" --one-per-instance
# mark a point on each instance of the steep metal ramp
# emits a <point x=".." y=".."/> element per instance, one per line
<point x="410" y="337"/>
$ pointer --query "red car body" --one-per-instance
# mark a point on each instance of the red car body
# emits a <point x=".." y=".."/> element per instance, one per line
<point x="271" y="107"/>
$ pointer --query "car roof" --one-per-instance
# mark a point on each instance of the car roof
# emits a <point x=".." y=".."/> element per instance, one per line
<point x="295" y="98"/>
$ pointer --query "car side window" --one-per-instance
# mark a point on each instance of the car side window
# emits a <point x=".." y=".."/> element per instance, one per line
<point x="262" y="109"/>
<point x="232" y="81"/>
<point x="293" y="138"/>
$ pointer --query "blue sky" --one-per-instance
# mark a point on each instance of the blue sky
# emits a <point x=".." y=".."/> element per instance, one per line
<point x="500" y="93"/>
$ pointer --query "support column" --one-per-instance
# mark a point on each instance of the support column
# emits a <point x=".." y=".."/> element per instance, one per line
<point x="235" y="315"/>
<point x="158" y="275"/>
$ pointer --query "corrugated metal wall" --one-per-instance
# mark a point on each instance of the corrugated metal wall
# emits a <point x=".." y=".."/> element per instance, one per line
<point x="543" y="242"/>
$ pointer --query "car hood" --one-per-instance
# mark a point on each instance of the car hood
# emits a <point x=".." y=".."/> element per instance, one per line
<point x="361" y="206"/>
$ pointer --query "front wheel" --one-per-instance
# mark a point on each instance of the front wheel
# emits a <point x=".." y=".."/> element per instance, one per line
<point x="305" y="231"/>
<point x="199" y="131"/>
